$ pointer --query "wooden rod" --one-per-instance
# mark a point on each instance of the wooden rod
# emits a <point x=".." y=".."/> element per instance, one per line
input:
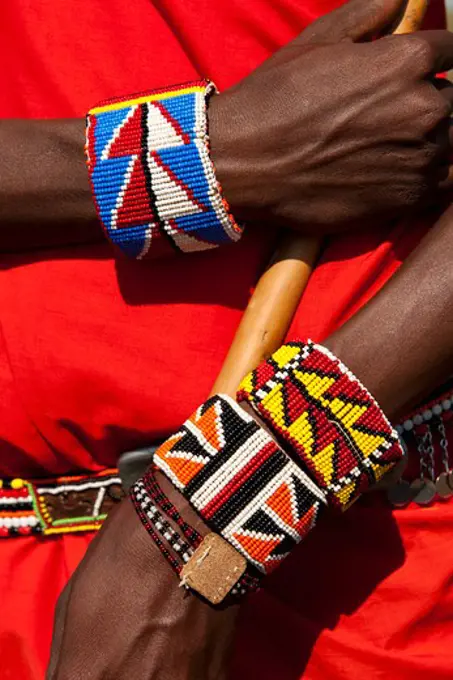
<point x="413" y="17"/>
<point x="272" y="307"/>
<point x="270" y="311"/>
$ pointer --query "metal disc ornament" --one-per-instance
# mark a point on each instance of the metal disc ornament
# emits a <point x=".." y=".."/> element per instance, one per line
<point x="424" y="491"/>
<point x="443" y="487"/>
<point x="400" y="494"/>
<point x="450" y="479"/>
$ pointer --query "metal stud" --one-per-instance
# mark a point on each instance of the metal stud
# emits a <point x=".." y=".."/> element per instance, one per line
<point x="424" y="491"/>
<point x="443" y="487"/>
<point x="400" y="494"/>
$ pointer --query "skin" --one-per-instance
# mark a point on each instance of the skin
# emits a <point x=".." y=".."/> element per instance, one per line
<point x="380" y="148"/>
<point x="337" y="142"/>
<point x="45" y="196"/>
<point x="108" y="626"/>
<point x="348" y="132"/>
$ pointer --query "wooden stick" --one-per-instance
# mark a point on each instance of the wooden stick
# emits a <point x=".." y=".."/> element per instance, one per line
<point x="271" y="309"/>
<point x="413" y="17"/>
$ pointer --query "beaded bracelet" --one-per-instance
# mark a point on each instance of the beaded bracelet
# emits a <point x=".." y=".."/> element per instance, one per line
<point x="153" y="508"/>
<point x="241" y="483"/>
<point x="160" y="529"/>
<point x="325" y="417"/>
<point x="152" y="176"/>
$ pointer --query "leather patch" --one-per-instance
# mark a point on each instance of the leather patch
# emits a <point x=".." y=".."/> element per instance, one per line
<point x="214" y="569"/>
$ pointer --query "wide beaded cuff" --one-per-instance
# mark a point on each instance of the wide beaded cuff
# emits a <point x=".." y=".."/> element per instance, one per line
<point x="152" y="176"/>
<point x="323" y="415"/>
<point x="241" y="483"/>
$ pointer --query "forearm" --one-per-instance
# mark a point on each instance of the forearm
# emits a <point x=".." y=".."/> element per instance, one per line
<point x="401" y="344"/>
<point x="45" y="197"/>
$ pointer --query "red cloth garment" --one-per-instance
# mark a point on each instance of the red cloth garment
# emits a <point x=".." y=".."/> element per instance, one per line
<point x="98" y="356"/>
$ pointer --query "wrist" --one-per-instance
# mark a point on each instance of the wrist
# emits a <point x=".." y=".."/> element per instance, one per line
<point x="228" y="122"/>
<point x="181" y="504"/>
<point x="361" y="358"/>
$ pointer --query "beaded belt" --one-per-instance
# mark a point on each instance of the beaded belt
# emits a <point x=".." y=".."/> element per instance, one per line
<point x="59" y="505"/>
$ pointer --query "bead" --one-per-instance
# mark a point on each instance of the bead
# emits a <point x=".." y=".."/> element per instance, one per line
<point x="148" y="498"/>
<point x="189" y="212"/>
<point x="307" y="408"/>
<point x="408" y="425"/>
<point x="230" y="470"/>
<point x="427" y="415"/>
<point x="25" y="506"/>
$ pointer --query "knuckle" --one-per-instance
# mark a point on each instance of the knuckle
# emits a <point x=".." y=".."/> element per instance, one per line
<point x="414" y="194"/>
<point x="428" y="155"/>
<point x="418" y="53"/>
<point x="428" y="108"/>
<point x="441" y="107"/>
<point x="421" y="52"/>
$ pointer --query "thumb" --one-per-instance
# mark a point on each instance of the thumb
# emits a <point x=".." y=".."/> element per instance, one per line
<point x="357" y="20"/>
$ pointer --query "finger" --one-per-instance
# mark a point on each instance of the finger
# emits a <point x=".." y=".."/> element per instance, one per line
<point x="444" y="138"/>
<point x="445" y="88"/>
<point x="357" y="20"/>
<point x="446" y="186"/>
<point x="431" y="51"/>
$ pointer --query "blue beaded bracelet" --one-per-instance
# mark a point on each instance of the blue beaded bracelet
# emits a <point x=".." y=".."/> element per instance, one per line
<point x="152" y="176"/>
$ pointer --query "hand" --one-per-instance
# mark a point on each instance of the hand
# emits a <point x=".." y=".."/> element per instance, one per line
<point x="330" y="131"/>
<point x="123" y="616"/>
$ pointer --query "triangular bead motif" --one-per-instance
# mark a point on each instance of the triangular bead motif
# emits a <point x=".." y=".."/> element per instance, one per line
<point x="134" y="205"/>
<point x="285" y="354"/>
<point x="182" y="110"/>
<point x="118" y="171"/>
<point x="127" y="137"/>
<point x="184" y="469"/>
<point x="181" y="465"/>
<point x="315" y="385"/>
<point x="209" y="424"/>
<point x="185" y="242"/>
<point x="281" y="502"/>
<point x="306" y="523"/>
<point x="324" y="463"/>
<point x="366" y="442"/>
<point x="106" y="128"/>
<point x="262" y="374"/>
<point x="167" y="130"/>
<point x="164" y="131"/>
<point x="301" y="430"/>
<point x="165" y="184"/>
<point x="327" y="417"/>
<point x="258" y="548"/>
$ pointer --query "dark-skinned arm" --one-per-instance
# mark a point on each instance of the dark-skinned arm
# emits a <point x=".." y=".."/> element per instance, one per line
<point x="45" y="197"/>
<point x="332" y="131"/>
<point x="122" y="614"/>
<point x="401" y="344"/>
